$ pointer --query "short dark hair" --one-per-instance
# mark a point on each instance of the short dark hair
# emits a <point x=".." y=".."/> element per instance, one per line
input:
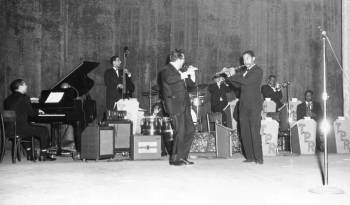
<point x="15" y="84"/>
<point x="113" y="58"/>
<point x="176" y="54"/>
<point x="249" y="52"/>
<point x="308" y="91"/>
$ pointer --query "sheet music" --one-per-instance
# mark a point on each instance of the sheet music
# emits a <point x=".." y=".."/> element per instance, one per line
<point x="54" y="97"/>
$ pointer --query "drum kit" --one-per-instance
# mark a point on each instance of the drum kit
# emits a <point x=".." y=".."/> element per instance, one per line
<point x="152" y="125"/>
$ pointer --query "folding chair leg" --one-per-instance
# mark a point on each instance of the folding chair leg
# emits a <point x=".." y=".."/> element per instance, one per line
<point x="18" y="149"/>
<point x="14" y="151"/>
<point x="33" y="149"/>
<point x="19" y="157"/>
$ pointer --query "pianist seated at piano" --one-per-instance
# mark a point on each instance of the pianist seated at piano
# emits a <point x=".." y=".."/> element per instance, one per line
<point x="19" y="102"/>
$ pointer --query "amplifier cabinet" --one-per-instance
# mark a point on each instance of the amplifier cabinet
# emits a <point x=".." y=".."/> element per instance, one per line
<point x="97" y="143"/>
<point x="146" y="147"/>
<point x="223" y="141"/>
<point x="122" y="134"/>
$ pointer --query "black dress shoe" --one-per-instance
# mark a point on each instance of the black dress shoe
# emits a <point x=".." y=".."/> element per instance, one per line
<point x="259" y="161"/>
<point x="178" y="163"/>
<point x="187" y="162"/>
<point x="248" y="160"/>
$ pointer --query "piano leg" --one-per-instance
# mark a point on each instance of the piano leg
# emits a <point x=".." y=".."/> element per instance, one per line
<point x="55" y="143"/>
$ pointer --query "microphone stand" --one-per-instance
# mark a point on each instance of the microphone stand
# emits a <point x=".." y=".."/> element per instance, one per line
<point x="150" y="99"/>
<point x="289" y="128"/>
<point x="325" y="189"/>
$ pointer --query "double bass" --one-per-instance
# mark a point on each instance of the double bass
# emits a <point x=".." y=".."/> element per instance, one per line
<point x="126" y="93"/>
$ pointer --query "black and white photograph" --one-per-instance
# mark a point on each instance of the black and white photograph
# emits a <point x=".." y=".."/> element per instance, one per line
<point x="174" y="102"/>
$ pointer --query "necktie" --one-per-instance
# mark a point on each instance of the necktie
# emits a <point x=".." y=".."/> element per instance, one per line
<point x="116" y="71"/>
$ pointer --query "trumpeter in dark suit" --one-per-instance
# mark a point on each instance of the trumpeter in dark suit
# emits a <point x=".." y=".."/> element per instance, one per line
<point x="113" y="79"/>
<point x="218" y="97"/>
<point x="250" y="107"/>
<point x="19" y="102"/>
<point x="312" y="109"/>
<point x="273" y="90"/>
<point x="174" y="84"/>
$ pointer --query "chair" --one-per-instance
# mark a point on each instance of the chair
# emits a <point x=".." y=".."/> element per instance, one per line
<point x="2" y="138"/>
<point x="213" y="118"/>
<point x="8" y="131"/>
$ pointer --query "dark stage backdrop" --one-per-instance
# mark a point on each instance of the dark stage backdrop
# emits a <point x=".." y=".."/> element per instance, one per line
<point x="43" y="40"/>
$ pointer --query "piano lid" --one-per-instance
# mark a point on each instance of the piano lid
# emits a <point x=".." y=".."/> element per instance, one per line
<point x="78" y="78"/>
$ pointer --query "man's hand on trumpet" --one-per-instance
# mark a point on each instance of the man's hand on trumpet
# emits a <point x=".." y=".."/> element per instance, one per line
<point x="189" y="72"/>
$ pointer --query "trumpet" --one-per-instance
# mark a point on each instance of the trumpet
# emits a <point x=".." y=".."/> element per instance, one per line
<point x="282" y="85"/>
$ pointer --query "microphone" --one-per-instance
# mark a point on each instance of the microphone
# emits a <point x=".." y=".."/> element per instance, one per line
<point x="323" y="32"/>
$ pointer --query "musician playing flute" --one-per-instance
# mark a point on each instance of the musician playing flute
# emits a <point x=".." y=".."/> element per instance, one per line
<point x="250" y="106"/>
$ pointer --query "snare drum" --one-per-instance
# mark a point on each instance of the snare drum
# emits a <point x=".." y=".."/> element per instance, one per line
<point x="150" y="125"/>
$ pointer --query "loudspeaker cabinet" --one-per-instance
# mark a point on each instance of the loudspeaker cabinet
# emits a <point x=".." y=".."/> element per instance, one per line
<point x="97" y="143"/>
<point x="122" y="134"/>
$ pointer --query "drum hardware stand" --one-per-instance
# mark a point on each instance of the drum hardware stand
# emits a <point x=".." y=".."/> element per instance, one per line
<point x="197" y="107"/>
<point x="289" y="127"/>
<point x="325" y="189"/>
<point x="150" y="99"/>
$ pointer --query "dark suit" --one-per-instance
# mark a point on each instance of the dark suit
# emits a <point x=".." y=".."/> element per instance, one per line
<point x="177" y="105"/>
<point x="250" y="107"/>
<point x="20" y="103"/>
<point x="218" y="99"/>
<point x="113" y="94"/>
<point x="275" y="96"/>
<point x="315" y="108"/>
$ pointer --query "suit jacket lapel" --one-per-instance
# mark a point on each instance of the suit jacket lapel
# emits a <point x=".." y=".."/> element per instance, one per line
<point x="173" y="69"/>
<point x="249" y="71"/>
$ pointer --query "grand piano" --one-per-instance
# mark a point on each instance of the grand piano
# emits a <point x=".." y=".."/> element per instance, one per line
<point x="68" y="102"/>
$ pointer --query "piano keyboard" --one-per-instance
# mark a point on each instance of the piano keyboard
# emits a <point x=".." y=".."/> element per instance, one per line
<point x="52" y="115"/>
